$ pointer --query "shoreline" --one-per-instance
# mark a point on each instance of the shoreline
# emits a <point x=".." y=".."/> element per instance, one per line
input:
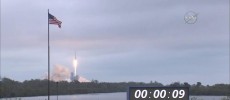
<point x="190" y="96"/>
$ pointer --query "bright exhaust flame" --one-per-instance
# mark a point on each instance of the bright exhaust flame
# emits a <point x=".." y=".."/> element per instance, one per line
<point x="75" y="63"/>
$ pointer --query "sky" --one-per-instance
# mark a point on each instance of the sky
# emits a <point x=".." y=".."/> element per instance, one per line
<point x="117" y="40"/>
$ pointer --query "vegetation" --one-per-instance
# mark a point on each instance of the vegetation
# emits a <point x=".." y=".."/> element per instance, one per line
<point x="11" y="88"/>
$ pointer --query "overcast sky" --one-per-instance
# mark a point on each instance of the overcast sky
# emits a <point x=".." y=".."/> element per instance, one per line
<point x="118" y="40"/>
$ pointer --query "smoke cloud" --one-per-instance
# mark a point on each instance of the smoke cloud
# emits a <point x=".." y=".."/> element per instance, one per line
<point x="83" y="79"/>
<point x="60" y="73"/>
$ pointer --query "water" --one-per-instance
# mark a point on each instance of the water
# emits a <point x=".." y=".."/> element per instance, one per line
<point x="103" y="96"/>
<point x="94" y="96"/>
<point x="208" y="97"/>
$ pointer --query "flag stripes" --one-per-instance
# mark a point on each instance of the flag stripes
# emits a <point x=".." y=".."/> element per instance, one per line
<point x="54" y="20"/>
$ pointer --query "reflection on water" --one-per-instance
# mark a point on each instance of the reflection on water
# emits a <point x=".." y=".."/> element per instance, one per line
<point x="104" y="96"/>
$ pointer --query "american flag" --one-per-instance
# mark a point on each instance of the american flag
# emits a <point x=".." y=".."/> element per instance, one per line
<point x="53" y="20"/>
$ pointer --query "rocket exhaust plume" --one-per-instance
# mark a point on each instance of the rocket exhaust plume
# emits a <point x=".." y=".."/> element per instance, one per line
<point x="75" y="66"/>
<point x="75" y="63"/>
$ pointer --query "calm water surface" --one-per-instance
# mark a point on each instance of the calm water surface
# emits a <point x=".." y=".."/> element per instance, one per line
<point x="103" y="96"/>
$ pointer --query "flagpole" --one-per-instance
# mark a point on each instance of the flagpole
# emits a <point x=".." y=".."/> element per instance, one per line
<point x="0" y="58"/>
<point x="48" y="58"/>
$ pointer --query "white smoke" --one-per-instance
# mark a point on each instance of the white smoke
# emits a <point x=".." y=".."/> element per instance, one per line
<point x="82" y="79"/>
<point x="60" y="73"/>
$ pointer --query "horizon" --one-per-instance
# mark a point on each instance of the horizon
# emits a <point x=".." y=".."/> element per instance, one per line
<point x="118" y="81"/>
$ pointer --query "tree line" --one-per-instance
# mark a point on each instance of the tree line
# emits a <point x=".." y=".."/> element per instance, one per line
<point x="37" y="87"/>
